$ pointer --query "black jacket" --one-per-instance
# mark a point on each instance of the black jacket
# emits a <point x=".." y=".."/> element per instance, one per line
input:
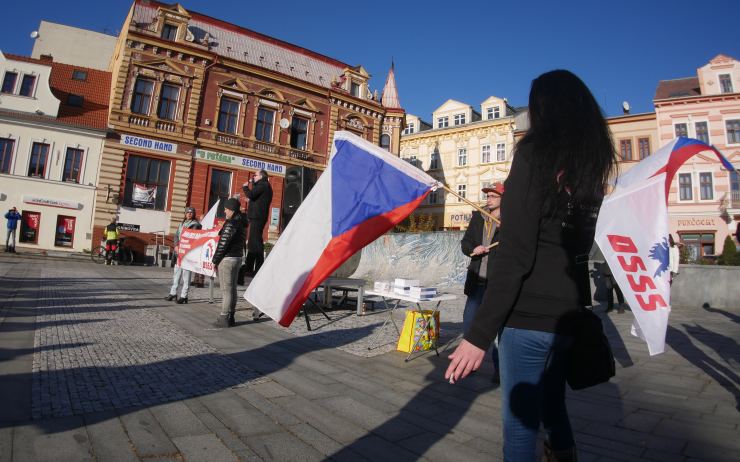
<point x="473" y="238"/>
<point x="232" y="239"/>
<point x="539" y="276"/>
<point x="260" y="197"/>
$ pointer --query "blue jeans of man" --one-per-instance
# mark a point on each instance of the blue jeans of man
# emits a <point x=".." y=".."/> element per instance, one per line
<point x="533" y="368"/>
<point x="471" y="307"/>
<point x="180" y="275"/>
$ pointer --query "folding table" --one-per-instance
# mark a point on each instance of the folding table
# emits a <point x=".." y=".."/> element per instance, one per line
<point x="386" y="296"/>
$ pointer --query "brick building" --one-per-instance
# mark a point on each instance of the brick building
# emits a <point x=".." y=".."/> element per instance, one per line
<point x="199" y="105"/>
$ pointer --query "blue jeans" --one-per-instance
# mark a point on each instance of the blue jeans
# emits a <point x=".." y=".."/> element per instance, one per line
<point x="471" y="307"/>
<point x="533" y="367"/>
<point x="180" y="275"/>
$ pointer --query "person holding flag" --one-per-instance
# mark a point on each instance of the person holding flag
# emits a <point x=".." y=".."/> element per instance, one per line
<point x="539" y="275"/>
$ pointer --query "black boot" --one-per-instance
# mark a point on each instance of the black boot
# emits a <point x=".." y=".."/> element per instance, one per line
<point x="169" y="298"/>
<point x="182" y="300"/>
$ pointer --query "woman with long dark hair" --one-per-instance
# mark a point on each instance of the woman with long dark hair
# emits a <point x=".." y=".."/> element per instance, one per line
<point x="539" y="279"/>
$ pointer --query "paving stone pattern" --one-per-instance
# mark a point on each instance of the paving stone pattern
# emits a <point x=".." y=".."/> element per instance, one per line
<point x="99" y="348"/>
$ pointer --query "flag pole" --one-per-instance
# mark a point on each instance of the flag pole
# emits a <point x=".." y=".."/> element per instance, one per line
<point x="487" y="248"/>
<point x="476" y="206"/>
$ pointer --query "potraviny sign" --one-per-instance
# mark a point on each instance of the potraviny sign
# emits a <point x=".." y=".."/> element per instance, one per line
<point x="237" y="161"/>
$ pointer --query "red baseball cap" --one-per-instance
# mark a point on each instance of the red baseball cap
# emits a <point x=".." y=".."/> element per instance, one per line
<point x="496" y="188"/>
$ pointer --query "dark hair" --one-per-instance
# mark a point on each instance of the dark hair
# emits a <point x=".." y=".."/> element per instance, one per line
<point x="568" y="134"/>
<point x="264" y="174"/>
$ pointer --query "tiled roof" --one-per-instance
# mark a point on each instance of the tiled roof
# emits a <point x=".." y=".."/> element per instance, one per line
<point x="390" y="93"/>
<point x="95" y="90"/>
<point x="678" y="88"/>
<point x="241" y="44"/>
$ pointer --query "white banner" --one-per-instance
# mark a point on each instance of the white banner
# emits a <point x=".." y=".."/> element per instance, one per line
<point x="195" y="250"/>
<point x="143" y="195"/>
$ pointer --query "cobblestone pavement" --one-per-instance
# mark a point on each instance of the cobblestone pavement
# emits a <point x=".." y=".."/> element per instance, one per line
<point x="94" y="365"/>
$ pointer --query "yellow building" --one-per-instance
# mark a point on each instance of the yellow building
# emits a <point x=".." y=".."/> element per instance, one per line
<point x="635" y="137"/>
<point x="464" y="148"/>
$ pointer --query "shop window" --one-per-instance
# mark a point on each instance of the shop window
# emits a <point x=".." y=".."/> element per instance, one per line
<point x="147" y="180"/>
<point x="72" y="165"/>
<point x="220" y="189"/>
<point x="265" y="125"/>
<point x="228" y="115"/>
<point x="9" y="82"/>
<point x="30" y="224"/>
<point x="27" y="85"/>
<point x="39" y="155"/>
<point x="168" y="102"/>
<point x="698" y="245"/>
<point x="299" y="133"/>
<point x="65" y="231"/>
<point x="142" y="99"/>
<point x="6" y="154"/>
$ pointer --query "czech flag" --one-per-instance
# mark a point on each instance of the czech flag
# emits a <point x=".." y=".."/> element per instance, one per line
<point x="632" y="233"/>
<point x="364" y="192"/>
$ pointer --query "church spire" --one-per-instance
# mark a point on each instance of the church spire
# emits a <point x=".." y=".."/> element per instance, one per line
<point x="390" y="94"/>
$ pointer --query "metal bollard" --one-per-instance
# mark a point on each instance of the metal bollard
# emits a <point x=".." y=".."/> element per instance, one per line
<point x="210" y="290"/>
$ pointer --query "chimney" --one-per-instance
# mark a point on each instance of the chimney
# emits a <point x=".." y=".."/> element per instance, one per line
<point x="47" y="58"/>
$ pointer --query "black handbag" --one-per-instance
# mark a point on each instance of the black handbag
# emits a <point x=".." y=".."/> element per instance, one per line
<point x="591" y="361"/>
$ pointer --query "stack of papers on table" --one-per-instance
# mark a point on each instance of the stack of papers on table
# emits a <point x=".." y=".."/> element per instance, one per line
<point x="403" y="286"/>
<point x="423" y="293"/>
<point x="383" y="286"/>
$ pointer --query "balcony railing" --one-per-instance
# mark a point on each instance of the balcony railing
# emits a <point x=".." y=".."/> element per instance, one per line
<point x="735" y="199"/>
<point x="279" y="152"/>
<point x="160" y="125"/>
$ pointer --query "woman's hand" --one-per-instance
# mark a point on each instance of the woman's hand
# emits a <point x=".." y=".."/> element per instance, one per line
<point x="466" y="358"/>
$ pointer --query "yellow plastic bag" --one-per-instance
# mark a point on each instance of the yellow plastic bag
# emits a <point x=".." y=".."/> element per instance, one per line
<point x="413" y="330"/>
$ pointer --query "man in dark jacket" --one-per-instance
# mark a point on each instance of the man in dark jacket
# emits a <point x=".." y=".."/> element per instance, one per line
<point x="481" y="233"/>
<point x="12" y="216"/>
<point x="227" y="259"/>
<point x="260" y="196"/>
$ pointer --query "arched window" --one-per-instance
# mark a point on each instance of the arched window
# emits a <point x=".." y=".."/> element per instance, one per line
<point x="385" y="141"/>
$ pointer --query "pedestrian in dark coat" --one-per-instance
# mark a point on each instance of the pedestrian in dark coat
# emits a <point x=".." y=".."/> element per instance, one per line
<point x="259" y="193"/>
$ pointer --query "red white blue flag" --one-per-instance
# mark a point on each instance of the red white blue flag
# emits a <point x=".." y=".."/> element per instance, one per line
<point x="632" y="233"/>
<point x="364" y="192"/>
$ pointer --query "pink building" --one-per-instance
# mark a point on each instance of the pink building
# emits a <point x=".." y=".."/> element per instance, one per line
<point x="704" y="200"/>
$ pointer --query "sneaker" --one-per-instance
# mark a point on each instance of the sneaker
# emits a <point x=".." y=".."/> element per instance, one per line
<point x="256" y="314"/>
<point x="182" y="300"/>
<point x="224" y="320"/>
<point x="170" y="297"/>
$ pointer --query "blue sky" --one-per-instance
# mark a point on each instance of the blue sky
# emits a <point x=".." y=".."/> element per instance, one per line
<point x="464" y="50"/>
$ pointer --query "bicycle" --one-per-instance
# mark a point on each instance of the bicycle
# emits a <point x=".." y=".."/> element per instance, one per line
<point x="122" y="255"/>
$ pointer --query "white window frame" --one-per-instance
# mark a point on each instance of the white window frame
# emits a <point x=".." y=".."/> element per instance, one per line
<point x="714" y="190"/>
<point x="234" y="97"/>
<point x="433" y="197"/>
<point x="16" y="84"/>
<point x="678" y="183"/>
<point x="462" y="153"/>
<point x="724" y="128"/>
<point x="83" y="167"/>
<point x="459" y="119"/>
<point x="50" y="161"/>
<point x="19" y="84"/>
<point x="434" y="156"/>
<point x="462" y="190"/>
<point x="502" y="158"/>
<point x="692" y="130"/>
<point x="445" y="119"/>
<point x="409" y="128"/>
<point x="489" y="113"/>
<point x="719" y="84"/>
<point x="484" y="184"/>
<point x="688" y="128"/>
<point x="485" y="149"/>
<point x="14" y="154"/>
<point x="496" y="112"/>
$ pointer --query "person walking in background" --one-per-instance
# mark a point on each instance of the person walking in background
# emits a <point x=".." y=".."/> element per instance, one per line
<point x="611" y="286"/>
<point x="111" y="241"/>
<point x="674" y="257"/>
<point x="227" y="258"/>
<point x="260" y="196"/>
<point x="182" y="275"/>
<point x="13" y="217"/>
<point x="481" y="233"/>
<point x="538" y="281"/>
